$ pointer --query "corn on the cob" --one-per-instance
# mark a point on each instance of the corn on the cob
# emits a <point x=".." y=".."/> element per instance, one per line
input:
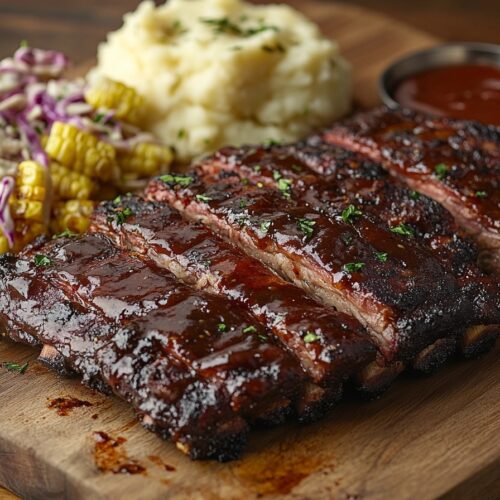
<point x="81" y="152"/>
<point x="29" y="203"/>
<point x="73" y="215"/>
<point x="145" y="159"/>
<point x="127" y="104"/>
<point x="69" y="185"/>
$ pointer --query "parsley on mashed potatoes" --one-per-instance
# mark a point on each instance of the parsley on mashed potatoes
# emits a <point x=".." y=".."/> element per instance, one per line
<point x="226" y="72"/>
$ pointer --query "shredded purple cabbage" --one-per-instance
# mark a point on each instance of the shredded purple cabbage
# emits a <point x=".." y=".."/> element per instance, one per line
<point x="34" y="95"/>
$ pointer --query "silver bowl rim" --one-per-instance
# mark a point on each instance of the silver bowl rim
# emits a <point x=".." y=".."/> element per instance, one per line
<point x="431" y="57"/>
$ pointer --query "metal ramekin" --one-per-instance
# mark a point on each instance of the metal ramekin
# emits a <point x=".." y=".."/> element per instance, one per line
<point x="439" y="56"/>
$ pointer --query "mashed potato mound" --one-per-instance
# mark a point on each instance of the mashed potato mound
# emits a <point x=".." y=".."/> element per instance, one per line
<point x="225" y="72"/>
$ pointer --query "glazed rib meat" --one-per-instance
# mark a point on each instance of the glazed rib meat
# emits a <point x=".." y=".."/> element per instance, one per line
<point x="329" y="345"/>
<point x="193" y="368"/>
<point x="331" y="179"/>
<point x="456" y="163"/>
<point x="406" y="303"/>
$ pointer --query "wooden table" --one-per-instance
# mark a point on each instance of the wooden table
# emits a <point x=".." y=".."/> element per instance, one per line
<point x="425" y="438"/>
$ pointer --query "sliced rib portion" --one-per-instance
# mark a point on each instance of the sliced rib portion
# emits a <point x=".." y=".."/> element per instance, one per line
<point x="342" y="184"/>
<point x="456" y="163"/>
<point x="406" y="304"/>
<point x="156" y="342"/>
<point x="330" y="345"/>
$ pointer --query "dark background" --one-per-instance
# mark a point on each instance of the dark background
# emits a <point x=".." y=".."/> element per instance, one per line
<point x="76" y="27"/>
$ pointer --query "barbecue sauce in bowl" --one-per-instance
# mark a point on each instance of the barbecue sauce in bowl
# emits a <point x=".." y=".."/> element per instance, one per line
<point x="466" y="91"/>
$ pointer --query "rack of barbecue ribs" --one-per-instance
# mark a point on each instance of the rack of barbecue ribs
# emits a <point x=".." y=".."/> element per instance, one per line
<point x="260" y="284"/>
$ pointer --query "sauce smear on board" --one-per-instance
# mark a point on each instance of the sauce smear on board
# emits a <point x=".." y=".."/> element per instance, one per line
<point x="466" y="91"/>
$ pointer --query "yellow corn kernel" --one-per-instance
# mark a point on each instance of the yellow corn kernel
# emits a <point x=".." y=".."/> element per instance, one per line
<point x="81" y="152"/>
<point x="73" y="215"/>
<point x="127" y="104"/>
<point x="4" y="244"/>
<point x="145" y="159"/>
<point x="68" y="185"/>
<point x="27" y="210"/>
<point x="35" y="193"/>
<point x="26" y="232"/>
<point x="31" y="173"/>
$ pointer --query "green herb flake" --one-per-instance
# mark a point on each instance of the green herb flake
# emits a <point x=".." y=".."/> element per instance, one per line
<point x="285" y="186"/>
<point x="441" y="170"/>
<point x="257" y="168"/>
<point x="181" y="134"/>
<point x="38" y="130"/>
<point x="23" y="43"/>
<point x="353" y="267"/>
<point x="122" y="215"/>
<point x="277" y="175"/>
<point x="250" y="329"/>
<point x="245" y="181"/>
<point x="263" y="338"/>
<point x="177" y="180"/>
<point x="414" y="195"/>
<point x="271" y="142"/>
<point x="42" y="261"/>
<point x="67" y="233"/>
<point x="117" y="201"/>
<point x="221" y="327"/>
<point x="98" y="117"/>
<point x="203" y="197"/>
<point x="403" y="230"/>
<point x="306" y="226"/>
<point x="310" y="337"/>
<point x="382" y="256"/>
<point x="297" y="168"/>
<point x="350" y="212"/>
<point x="16" y="367"/>
<point x="265" y="226"/>
<point x="481" y="194"/>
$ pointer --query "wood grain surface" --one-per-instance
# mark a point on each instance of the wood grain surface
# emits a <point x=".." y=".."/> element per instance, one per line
<point x="425" y="438"/>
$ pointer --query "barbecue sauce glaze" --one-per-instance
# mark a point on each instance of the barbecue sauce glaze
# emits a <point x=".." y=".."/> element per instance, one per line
<point x="466" y="91"/>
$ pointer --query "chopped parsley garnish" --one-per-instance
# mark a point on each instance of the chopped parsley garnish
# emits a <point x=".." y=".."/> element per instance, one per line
<point x="274" y="48"/>
<point x="264" y="226"/>
<point x="481" y="194"/>
<point x="221" y="327"/>
<point x="277" y="175"/>
<point x="441" y="170"/>
<point x="245" y="181"/>
<point x="15" y="367"/>
<point x="243" y="204"/>
<point x="67" y="233"/>
<point x="181" y="134"/>
<point x="203" y="197"/>
<point x="122" y="215"/>
<point x="249" y="329"/>
<point x="223" y="25"/>
<point x="353" y="267"/>
<point x="263" y="338"/>
<point x="23" y="43"/>
<point x="177" y="180"/>
<point x="285" y="186"/>
<point x="415" y="195"/>
<point x="350" y="212"/>
<point x="306" y="226"/>
<point x="42" y="260"/>
<point x="271" y="142"/>
<point x="243" y="221"/>
<point x="403" y="230"/>
<point x="257" y="168"/>
<point x="98" y="117"/>
<point x="117" y="201"/>
<point x="382" y="256"/>
<point x="297" y="168"/>
<point x="310" y="337"/>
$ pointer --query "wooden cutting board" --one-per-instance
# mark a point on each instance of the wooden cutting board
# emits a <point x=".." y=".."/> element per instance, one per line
<point x="425" y="438"/>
